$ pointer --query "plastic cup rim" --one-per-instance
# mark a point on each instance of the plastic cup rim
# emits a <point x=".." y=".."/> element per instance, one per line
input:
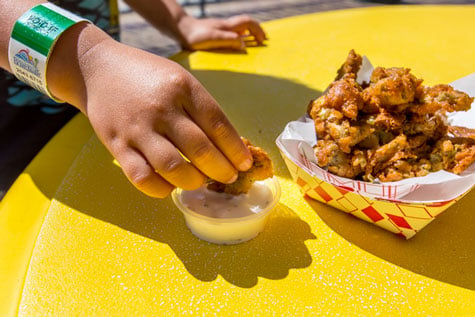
<point x="186" y="211"/>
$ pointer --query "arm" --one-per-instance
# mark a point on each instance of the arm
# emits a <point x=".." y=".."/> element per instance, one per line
<point x="198" y="34"/>
<point x="144" y="108"/>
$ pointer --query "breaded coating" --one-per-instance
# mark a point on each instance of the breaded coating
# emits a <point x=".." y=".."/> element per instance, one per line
<point x="329" y="155"/>
<point x="420" y="144"/>
<point x="390" y="121"/>
<point x="344" y="95"/>
<point x="260" y="170"/>
<point x="347" y="135"/>
<point x="390" y="87"/>
<point x="464" y="157"/>
<point x="441" y="97"/>
<point x="404" y="168"/>
<point x="462" y="132"/>
<point x="324" y="118"/>
<point x="453" y="154"/>
<point x="430" y="125"/>
<point x="386" y="152"/>
<point x="351" y="65"/>
<point x="391" y="129"/>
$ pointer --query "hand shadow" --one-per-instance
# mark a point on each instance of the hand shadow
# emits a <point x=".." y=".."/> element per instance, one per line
<point x="258" y="106"/>
<point x="444" y="250"/>
<point x="278" y="249"/>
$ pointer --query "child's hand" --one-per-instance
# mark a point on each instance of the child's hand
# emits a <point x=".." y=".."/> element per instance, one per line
<point x="147" y="109"/>
<point x="206" y="34"/>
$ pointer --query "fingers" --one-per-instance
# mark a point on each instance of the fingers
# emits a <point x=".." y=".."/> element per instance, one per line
<point x="167" y="161"/>
<point x="198" y="148"/>
<point x="142" y="175"/>
<point x="222" y="39"/>
<point x="241" y="23"/>
<point x="206" y="113"/>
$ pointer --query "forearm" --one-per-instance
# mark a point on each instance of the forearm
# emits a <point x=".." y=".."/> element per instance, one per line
<point x="67" y="66"/>
<point x="164" y="15"/>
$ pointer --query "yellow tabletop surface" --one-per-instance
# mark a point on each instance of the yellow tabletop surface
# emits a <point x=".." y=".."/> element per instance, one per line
<point x="77" y="238"/>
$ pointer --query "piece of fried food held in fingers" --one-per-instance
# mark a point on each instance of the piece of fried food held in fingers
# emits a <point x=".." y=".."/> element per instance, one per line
<point x="261" y="169"/>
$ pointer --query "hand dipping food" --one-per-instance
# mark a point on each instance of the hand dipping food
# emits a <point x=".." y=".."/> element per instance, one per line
<point x="234" y="213"/>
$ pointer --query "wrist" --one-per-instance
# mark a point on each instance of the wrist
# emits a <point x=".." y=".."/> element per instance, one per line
<point x="68" y="67"/>
<point x="165" y="15"/>
<point x="32" y="41"/>
<point x="185" y="25"/>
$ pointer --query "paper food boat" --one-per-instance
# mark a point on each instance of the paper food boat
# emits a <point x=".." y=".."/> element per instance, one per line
<point x="403" y="207"/>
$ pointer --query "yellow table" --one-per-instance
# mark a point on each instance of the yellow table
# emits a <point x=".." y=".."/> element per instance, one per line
<point x="77" y="238"/>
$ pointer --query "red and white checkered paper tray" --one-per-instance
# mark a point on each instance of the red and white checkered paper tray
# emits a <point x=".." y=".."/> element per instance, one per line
<point x="403" y="207"/>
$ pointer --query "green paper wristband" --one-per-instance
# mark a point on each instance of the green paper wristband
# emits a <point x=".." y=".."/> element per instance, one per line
<point x="32" y="40"/>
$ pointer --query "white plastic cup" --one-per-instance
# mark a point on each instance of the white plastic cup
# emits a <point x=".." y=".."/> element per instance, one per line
<point x="228" y="230"/>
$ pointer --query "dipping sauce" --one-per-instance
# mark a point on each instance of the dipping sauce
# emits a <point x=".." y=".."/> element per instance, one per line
<point x="227" y="219"/>
<point x="221" y="205"/>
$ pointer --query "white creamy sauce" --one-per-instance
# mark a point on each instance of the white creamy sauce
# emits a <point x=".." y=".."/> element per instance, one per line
<point x="221" y="205"/>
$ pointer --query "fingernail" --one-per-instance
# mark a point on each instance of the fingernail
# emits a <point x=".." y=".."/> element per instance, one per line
<point x="245" y="165"/>
<point x="232" y="179"/>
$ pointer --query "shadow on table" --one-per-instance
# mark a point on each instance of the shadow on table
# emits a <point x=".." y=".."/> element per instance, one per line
<point x="444" y="250"/>
<point x="278" y="249"/>
<point x="259" y="106"/>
